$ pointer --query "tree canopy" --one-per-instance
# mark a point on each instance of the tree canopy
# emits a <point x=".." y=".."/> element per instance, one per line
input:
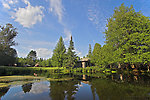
<point x="7" y="53"/>
<point x="127" y="39"/>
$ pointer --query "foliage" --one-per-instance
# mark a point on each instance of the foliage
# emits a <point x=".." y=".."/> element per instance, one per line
<point x="7" y="54"/>
<point x="127" y="40"/>
<point x="59" y="54"/>
<point x="71" y="57"/>
<point x="31" y="58"/>
<point x="96" y="54"/>
<point x="90" y="52"/>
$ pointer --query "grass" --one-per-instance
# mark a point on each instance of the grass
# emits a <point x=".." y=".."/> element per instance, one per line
<point x="60" y="79"/>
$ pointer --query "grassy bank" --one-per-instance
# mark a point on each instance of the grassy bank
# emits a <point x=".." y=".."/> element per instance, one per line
<point x="5" y="70"/>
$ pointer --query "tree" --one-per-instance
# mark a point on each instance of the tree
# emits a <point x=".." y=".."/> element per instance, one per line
<point x="32" y="55"/>
<point x="95" y="59"/>
<point x="129" y="35"/>
<point x="59" y="54"/>
<point x="71" y="57"/>
<point x="7" y="54"/>
<point x="90" y="51"/>
<point x="31" y="58"/>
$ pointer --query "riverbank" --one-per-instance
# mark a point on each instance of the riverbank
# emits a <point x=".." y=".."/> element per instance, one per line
<point x="46" y="71"/>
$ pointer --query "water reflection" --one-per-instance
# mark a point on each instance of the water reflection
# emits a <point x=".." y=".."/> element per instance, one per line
<point x="83" y="87"/>
<point x="27" y="87"/>
<point x="59" y="90"/>
<point x="3" y="91"/>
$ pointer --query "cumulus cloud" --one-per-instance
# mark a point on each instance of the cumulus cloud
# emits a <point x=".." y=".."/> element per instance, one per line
<point x="43" y="52"/>
<point x="57" y="8"/>
<point x="29" y="16"/>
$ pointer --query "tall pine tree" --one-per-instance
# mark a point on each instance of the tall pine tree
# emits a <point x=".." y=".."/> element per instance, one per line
<point x="90" y="51"/>
<point x="71" y="57"/>
<point x="59" y="54"/>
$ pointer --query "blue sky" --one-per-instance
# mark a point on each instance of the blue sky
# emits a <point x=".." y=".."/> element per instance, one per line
<point x="40" y="23"/>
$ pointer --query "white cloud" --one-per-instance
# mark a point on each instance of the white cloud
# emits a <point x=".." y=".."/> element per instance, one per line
<point x="43" y="52"/>
<point x="29" y="15"/>
<point x="38" y="88"/>
<point x="57" y="8"/>
<point x="68" y="34"/>
<point x="26" y="2"/>
<point x="12" y="1"/>
<point x="6" y="5"/>
<point x="78" y="53"/>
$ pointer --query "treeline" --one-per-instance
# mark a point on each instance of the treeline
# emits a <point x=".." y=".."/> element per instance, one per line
<point x="61" y="57"/>
<point x="127" y="42"/>
<point x="32" y="60"/>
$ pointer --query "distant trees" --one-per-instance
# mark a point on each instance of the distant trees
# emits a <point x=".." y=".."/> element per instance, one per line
<point x="127" y="39"/>
<point x="7" y="53"/>
<point x="31" y="58"/>
<point x="45" y="63"/>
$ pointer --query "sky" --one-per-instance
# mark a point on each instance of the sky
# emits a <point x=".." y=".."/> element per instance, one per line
<point x="40" y="23"/>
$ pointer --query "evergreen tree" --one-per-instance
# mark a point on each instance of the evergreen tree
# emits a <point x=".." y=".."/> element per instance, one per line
<point x="90" y="51"/>
<point x="71" y="57"/>
<point x="59" y="54"/>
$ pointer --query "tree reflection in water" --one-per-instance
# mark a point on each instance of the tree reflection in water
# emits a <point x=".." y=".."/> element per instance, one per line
<point x="59" y="90"/>
<point x="123" y="86"/>
<point x="27" y="87"/>
<point x="3" y="91"/>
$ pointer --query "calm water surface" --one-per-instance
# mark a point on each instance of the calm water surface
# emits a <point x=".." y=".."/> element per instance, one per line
<point x="112" y="87"/>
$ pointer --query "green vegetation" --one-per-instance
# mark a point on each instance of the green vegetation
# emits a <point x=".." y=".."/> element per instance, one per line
<point x="71" y="57"/>
<point x="107" y="89"/>
<point x="127" y="47"/>
<point x="89" y="52"/>
<point x="59" y="54"/>
<point x="7" y="53"/>
<point x="127" y="41"/>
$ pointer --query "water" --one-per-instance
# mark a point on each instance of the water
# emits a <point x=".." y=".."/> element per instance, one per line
<point x="81" y="87"/>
